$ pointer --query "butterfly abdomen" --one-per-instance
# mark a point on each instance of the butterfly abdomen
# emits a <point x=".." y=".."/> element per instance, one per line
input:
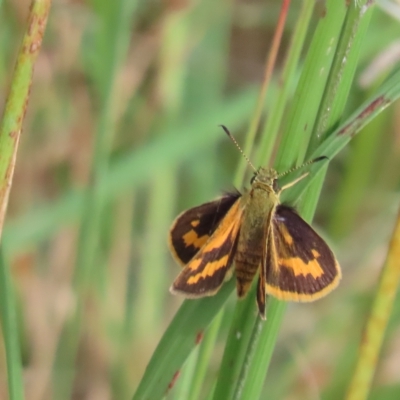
<point x="247" y="265"/>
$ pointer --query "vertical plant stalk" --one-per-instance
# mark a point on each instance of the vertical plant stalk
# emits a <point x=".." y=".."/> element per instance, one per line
<point x="302" y="115"/>
<point x="206" y="349"/>
<point x="342" y="72"/>
<point x="9" y="325"/>
<point x="112" y="27"/>
<point x="17" y="101"/>
<point x="340" y="78"/>
<point x="269" y="67"/>
<point x="255" y="336"/>
<point x="10" y="132"/>
<point x="287" y="79"/>
<point x="377" y="322"/>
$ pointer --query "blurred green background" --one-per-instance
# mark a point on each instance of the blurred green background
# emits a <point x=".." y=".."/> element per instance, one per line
<point x="153" y="80"/>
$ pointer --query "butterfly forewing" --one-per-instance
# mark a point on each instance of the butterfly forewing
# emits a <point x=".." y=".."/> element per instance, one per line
<point x="206" y="271"/>
<point x="300" y="265"/>
<point x="193" y="227"/>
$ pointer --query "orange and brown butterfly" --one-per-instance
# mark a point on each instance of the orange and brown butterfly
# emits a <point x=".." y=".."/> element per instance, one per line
<point x="261" y="235"/>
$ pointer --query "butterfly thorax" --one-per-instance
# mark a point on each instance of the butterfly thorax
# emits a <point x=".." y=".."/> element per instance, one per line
<point x="259" y="204"/>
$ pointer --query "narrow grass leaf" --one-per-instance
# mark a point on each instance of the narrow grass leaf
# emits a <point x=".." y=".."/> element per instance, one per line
<point x="109" y="49"/>
<point x="311" y="87"/>
<point x="276" y="112"/>
<point x="18" y="97"/>
<point x="10" y="131"/>
<point x="236" y="346"/>
<point x="378" y="319"/>
<point x="10" y="331"/>
<point x="182" y="335"/>
<point x="206" y="350"/>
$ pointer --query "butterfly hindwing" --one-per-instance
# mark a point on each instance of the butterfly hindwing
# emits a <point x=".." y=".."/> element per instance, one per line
<point x="300" y="265"/>
<point x="206" y="271"/>
<point x="191" y="229"/>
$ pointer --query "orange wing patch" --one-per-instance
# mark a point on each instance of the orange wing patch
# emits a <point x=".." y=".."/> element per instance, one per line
<point x="211" y="269"/>
<point x="191" y="239"/>
<point x="300" y="267"/>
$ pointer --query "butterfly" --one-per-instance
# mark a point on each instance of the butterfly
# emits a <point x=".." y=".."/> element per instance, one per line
<point x="260" y="235"/>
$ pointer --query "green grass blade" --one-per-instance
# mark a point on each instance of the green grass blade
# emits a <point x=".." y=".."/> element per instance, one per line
<point x="18" y="97"/>
<point x="109" y="47"/>
<point x="340" y="78"/>
<point x="182" y="385"/>
<point x="206" y="349"/>
<point x="373" y="335"/>
<point x="182" y="335"/>
<point x="235" y="347"/>
<point x="311" y="86"/>
<point x="11" y="332"/>
<point x="266" y="334"/>
<point x="248" y="359"/>
<point x="388" y="93"/>
<point x="10" y="131"/>
<point x="259" y="106"/>
<point x="357" y="177"/>
<point x="341" y="75"/>
<point x="274" y="121"/>
<point x="111" y="44"/>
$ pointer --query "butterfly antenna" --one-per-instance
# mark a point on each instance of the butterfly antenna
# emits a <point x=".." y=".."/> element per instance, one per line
<point x="303" y="165"/>
<point x="237" y="145"/>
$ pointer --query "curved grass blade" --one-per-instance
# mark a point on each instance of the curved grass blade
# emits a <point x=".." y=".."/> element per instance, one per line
<point x="311" y="87"/>
<point x="183" y="334"/>
<point x="377" y="322"/>
<point x="388" y="93"/>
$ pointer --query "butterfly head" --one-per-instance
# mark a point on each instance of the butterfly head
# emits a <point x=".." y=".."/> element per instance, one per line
<point x="265" y="178"/>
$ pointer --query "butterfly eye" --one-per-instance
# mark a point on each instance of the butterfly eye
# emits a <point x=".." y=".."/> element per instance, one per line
<point x="275" y="186"/>
<point x="253" y="178"/>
